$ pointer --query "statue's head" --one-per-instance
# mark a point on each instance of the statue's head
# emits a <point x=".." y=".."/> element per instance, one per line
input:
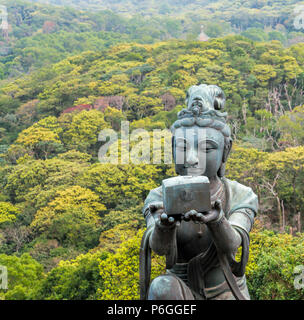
<point x="201" y="137"/>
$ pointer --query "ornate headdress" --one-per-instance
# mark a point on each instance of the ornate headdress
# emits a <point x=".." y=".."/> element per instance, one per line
<point x="204" y="105"/>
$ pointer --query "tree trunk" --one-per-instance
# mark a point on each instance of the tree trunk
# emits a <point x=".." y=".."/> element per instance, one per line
<point x="283" y="216"/>
<point x="280" y="213"/>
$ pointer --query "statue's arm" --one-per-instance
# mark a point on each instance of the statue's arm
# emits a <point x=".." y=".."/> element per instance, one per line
<point x="163" y="237"/>
<point x="225" y="232"/>
<point x="231" y="230"/>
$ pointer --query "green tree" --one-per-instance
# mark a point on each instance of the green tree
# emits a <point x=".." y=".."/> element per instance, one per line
<point x="8" y="212"/>
<point x="291" y="125"/>
<point x="120" y="271"/>
<point x="39" y="141"/>
<point x="272" y="261"/>
<point x="72" y="217"/>
<point x="82" y="133"/>
<point x="24" y="277"/>
<point x="77" y="279"/>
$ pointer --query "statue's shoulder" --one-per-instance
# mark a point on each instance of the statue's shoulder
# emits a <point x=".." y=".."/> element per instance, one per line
<point x="155" y="195"/>
<point x="236" y="186"/>
<point x="241" y="195"/>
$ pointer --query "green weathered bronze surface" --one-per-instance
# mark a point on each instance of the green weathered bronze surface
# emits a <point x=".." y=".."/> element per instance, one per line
<point x="199" y="248"/>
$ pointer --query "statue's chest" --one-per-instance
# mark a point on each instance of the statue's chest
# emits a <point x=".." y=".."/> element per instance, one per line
<point x="192" y="239"/>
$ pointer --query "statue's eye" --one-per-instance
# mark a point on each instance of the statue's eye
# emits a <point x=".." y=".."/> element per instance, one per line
<point x="181" y="144"/>
<point x="207" y="146"/>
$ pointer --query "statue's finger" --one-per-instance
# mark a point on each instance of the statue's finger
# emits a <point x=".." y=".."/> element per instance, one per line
<point x="163" y="217"/>
<point x="192" y="213"/>
<point x="211" y="215"/>
<point x="155" y="206"/>
<point x="199" y="217"/>
<point x="171" y="220"/>
<point x="187" y="217"/>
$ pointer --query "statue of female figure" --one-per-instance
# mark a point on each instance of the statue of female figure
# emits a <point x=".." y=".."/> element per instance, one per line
<point x="200" y="248"/>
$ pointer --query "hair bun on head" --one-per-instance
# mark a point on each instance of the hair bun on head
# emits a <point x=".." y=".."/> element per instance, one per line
<point x="204" y="105"/>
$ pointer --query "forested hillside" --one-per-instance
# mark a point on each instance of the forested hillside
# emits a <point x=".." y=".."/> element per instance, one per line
<point x="177" y="7"/>
<point x="39" y="34"/>
<point x="70" y="227"/>
<point x="218" y="16"/>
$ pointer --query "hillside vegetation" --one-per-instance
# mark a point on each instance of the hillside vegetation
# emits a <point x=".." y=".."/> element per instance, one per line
<point x="41" y="34"/>
<point x="70" y="226"/>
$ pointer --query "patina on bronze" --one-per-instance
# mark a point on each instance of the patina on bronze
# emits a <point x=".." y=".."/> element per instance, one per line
<point x="200" y="247"/>
<point x="184" y="193"/>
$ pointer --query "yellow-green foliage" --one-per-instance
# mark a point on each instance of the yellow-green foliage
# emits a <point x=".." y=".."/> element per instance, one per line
<point x="291" y="124"/>
<point x="33" y="135"/>
<point x="73" y="216"/>
<point x="272" y="261"/>
<point x="120" y="271"/>
<point x="38" y="181"/>
<point x="114" y="117"/>
<point x="24" y="277"/>
<point x="76" y="279"/>
<point x="264" y="73"/>
<point x="114" y="183"/>
<point x="83" y="131"/>
<point x="8" y="212"/>
<point x="111" y="240"/>
<point x="242" y="164"/>
<point x="74" y="197"/>
<point x="277" y="174"/>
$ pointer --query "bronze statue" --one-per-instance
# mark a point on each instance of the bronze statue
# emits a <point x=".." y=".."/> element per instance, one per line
<point x="200" y="247"/>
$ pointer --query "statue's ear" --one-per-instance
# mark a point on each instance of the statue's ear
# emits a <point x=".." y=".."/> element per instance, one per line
<point x="227" y="149"/>
<point x="187" y="96"/>
<point x="219" y="97"/>
<point x="219" y="101"/>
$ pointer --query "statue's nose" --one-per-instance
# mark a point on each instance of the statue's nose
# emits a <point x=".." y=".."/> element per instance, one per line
<point x="192" y="158"/>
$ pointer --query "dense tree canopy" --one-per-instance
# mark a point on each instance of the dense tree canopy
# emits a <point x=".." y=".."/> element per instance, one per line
<point x="70" y="226"/>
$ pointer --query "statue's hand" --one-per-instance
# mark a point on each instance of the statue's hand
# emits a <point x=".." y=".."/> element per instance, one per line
<point x="166" y="222"/>
<point x="193" y="215"/>
<point x="163" y="221"/>
<point x="214" y="214"/>
<point x="205" y="217"/>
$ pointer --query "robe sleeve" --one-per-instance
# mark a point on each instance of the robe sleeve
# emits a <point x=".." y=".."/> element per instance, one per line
<point x="242" y="209"/>
<point x="154" y="196"/>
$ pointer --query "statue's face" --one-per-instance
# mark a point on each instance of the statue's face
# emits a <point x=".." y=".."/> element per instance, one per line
<point x="198" y="151"/>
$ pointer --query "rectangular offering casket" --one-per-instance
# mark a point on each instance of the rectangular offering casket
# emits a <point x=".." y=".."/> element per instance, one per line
<point x="184" y="193"/>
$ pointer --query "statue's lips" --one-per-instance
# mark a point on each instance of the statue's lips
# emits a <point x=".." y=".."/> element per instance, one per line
<point x="195" y="171"/>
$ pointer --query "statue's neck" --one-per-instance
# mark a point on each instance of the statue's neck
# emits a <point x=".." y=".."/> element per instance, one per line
<point x="215" y="184"/>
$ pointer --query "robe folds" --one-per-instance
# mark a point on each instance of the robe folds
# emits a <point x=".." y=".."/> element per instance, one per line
<point x="239" y="199"/>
